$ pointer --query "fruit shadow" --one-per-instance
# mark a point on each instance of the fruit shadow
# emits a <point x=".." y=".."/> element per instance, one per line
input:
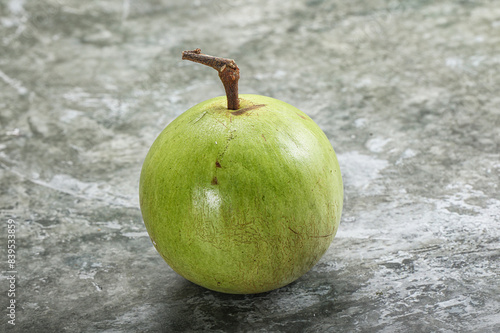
<point x="302" y="304"/>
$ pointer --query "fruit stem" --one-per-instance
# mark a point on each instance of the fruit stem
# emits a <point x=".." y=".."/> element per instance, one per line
<point x="229" y="73"/>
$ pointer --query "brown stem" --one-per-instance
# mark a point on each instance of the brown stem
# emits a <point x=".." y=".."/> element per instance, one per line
<point x="229" y="73"/>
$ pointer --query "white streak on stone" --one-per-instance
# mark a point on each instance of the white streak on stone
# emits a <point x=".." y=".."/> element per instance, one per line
<point x="21" y="90"/>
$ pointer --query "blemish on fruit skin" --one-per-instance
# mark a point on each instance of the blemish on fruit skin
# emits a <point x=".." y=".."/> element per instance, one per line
<point x="264" y="137"/>
<point x="301" y="116"/>
<point x="217" y="164"/>
<point x="323" y="236"/>
<point x="214" y="181"/>
<point x="202" y="115"/>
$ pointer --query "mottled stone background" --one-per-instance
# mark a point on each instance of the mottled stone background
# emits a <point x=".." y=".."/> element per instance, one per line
<point x="408" y="92"/>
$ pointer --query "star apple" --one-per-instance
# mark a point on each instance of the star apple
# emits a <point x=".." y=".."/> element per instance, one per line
<point x="243" y="197"/>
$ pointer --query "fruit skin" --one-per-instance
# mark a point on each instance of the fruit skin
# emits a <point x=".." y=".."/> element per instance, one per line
<point x="241" y="201"/>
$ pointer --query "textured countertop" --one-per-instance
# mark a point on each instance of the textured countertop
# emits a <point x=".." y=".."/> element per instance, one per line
<point x="406" y="91"/>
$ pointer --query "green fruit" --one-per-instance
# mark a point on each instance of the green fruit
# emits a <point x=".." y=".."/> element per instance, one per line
<point x="241" y="201"/>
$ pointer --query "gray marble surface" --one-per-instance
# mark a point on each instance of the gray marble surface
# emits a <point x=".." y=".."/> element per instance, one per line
<point x="406" y="91"/>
